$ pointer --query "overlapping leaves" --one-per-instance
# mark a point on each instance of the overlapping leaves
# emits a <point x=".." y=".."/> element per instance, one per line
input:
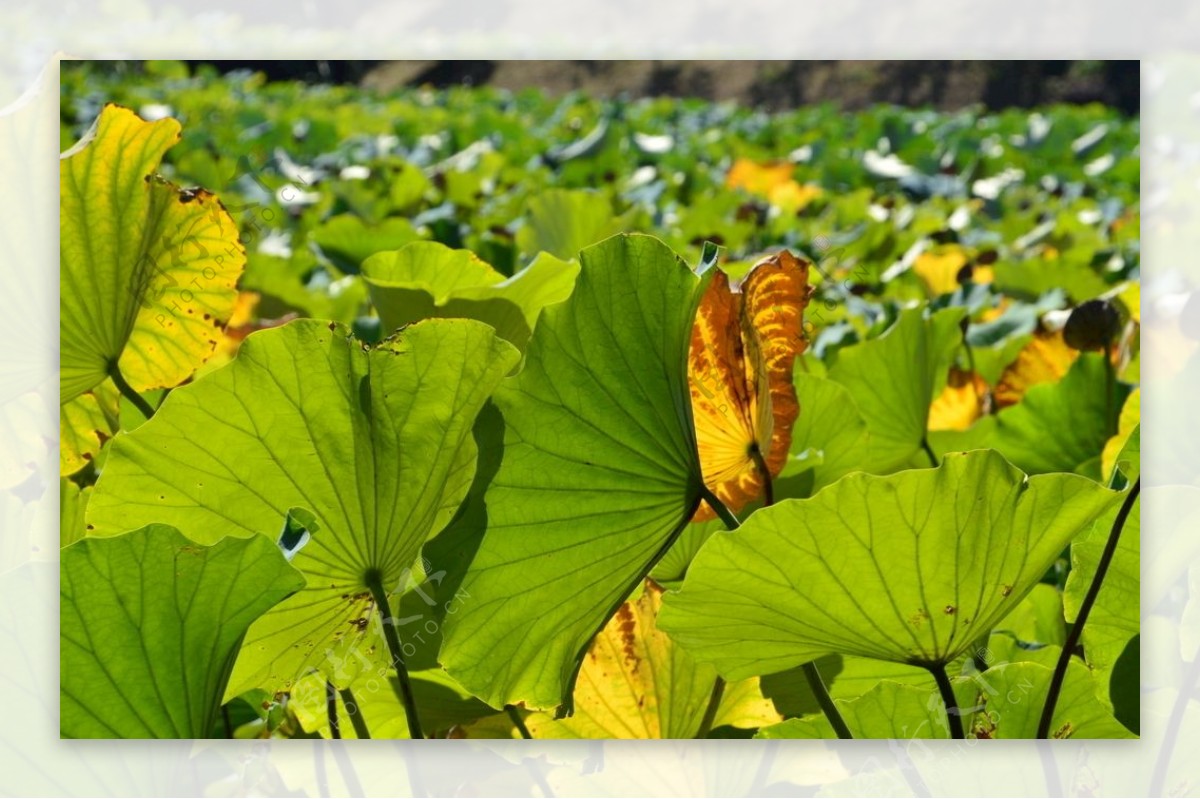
<point x="599" y="475"/>
<point x="376" y="443"/>
<point x="911" y="568"/>
<point x="151" y="624"/>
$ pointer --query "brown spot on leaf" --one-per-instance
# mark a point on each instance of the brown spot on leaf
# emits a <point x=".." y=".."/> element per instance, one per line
<point x="626" y="623"/>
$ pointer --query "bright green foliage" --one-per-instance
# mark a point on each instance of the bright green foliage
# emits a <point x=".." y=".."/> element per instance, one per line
<point x="376" y="443"/>
<point x="888" y="710"/>
<point x="348" y="241"/>
<point x="151" y="624"/>
<point x="911" y="568"/>
<point x="564" y="222"/>
<point x="426" y="280"/>
<point x="487" y="410"/>
<point x="72" y="503"/>
<point x="830" y="437"/>
<point x="599" y="475"/>
<point x="1111" y="641"/>
<point x="914" y="354"/>
<point x="442" y="703"/>
<point x="1013" y="696"/>
<point x="1002" y="702"/>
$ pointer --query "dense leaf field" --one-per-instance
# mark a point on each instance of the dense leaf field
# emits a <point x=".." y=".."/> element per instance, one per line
<point x="477" y="414"/>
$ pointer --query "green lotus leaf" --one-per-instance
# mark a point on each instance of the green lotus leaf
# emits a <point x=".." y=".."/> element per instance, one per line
<point x="894" y="378"/>
<point x="1033" y="278"/>
<point x="1110" y="637"/>
<point x="669" y="571"/>
<point x="912" y="568"/>
<point x="150" y="626"/>
<point x="148" y="270"/>
<point x="564" y="221"/>
<point x="376" y="443"/>
<point x="85" y="422"/>
<point x="348" y="241"/>
<point x="72" y="507"/>
<point x="1013" y="695"/>
<point x="1056" y="427"/>
<point x="441" y="704"/>
<point x="599" y="475"/>
<point x="888" y="710"/>
<point x="1117" y="454"/>
<point x="844" y="678"/>
<point x="829" y="439"/>
<point x="1003" y="702"/>
<point x="1038" y="620"/>
<point x="425" y="280"/>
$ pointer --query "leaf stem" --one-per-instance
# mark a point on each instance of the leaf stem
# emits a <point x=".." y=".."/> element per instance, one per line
<point x="1089" y="599"/>
<point x="335" y="729"/>
<point x="374" y="582"/>
<point x="354" y="711"/>
<point x="933" y="458"/>
<point x="811" y="672"/>
<point x="515" y="716"/>
<point x="953" y="715"/>
<point x="718" y="507"/>
<point x="1111" y="421"/>
<point x="127" y="391"/>
<point x="765" y="473"/>
<point x="817" y="686"/>
<point x="710" y="712"/>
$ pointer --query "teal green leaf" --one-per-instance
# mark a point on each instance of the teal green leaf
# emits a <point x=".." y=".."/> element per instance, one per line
<point x="375" y="443"/>
<point x="912" y="568"/>
<point x="599" y="475"/>
<point x="1056" y="427"/>
<point x="151" y="623"/>
<point x="894" y="378"/>
<point x="564" y="221"/>
<point x="426" y="280"/>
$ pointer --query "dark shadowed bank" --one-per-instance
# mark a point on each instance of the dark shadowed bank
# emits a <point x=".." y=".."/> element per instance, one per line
<point x="945" y="85"/>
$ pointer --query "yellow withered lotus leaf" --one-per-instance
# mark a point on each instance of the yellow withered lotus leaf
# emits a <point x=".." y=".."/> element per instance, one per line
<point x="635" y="682"/>
<point x="744" y="342"/>
<point x="757" y="178"/>
<point x="939" y="268"/>
<point x="1045" y="359"/>
<point x="961" y="403"/>
<point x="148" y="268"/>
<point x="772" y="182"/>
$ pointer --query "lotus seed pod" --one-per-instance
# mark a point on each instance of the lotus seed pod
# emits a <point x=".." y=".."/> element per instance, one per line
<point x="1092" y="326"/>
